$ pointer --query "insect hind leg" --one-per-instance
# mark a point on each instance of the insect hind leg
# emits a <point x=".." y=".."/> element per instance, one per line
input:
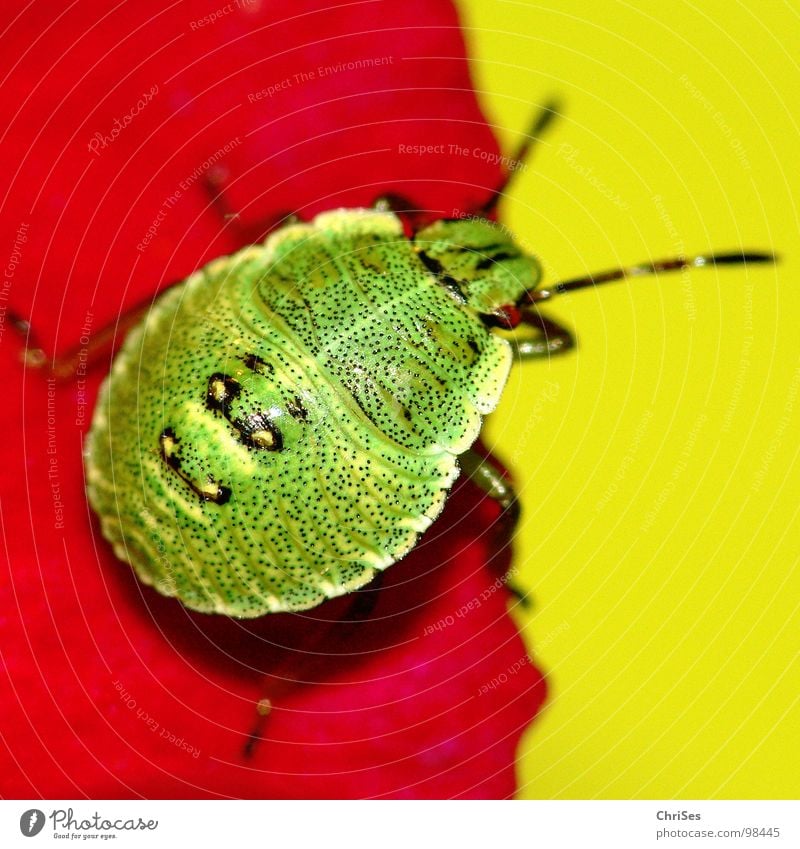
<point x="543" y="337"/>
<point x="413" y="217"/>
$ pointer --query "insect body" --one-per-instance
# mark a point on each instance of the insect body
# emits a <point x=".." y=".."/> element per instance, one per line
<point x="286" y="423"/>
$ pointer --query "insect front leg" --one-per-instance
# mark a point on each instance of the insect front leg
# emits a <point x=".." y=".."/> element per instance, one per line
<point x="103" y="342"/>
<point x="541" y="337"/>
<point x="488" y="478"/>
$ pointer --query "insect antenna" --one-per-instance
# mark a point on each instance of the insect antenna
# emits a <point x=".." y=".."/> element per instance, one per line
<point x="645" y="269"/>
<point x="542" y="120"/>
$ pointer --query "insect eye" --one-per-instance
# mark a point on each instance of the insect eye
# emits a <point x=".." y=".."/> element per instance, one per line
<point x="168" y="445"/>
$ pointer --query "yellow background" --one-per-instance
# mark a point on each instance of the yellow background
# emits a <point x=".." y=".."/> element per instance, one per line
<point x="658" y="465"/>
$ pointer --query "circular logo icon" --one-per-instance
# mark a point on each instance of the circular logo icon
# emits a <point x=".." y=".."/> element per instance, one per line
<point x="31" y="822"/>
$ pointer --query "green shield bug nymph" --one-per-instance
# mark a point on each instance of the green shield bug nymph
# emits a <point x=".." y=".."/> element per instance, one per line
<point x="286" y="423"/>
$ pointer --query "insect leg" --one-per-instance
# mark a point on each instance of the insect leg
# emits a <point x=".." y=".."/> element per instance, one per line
<point x="649" y="269"/>
<point x="546" y="338"/>
<point x="539" y="125"/>
<point x="393" y="202"/>
<point x="298" y="668"/>
<point x="219" y="203"/>
<point x="406" y="210"/>
<point x="245" y="233"/>
<point x="487" y="477"/>
<point x="65" y="366"/>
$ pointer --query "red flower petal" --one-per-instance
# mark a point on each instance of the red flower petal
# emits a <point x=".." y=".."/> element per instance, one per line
<point x="110" y="690"/>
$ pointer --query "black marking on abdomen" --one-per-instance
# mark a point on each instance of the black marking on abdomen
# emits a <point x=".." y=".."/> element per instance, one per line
<point x="213" y="491"/>
<point x="166" y="443"/>
<point x="259" y="431"/>
<point x="221" y="496"/>
<point x="256" y="430"/>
